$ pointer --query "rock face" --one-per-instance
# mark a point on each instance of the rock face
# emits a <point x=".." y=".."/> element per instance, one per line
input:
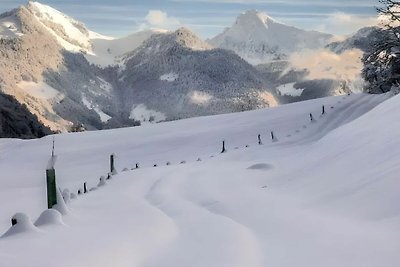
<point x="258" y="38"/>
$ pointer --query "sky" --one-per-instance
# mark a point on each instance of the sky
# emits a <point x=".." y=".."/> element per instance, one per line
<point x="207" y="18"/>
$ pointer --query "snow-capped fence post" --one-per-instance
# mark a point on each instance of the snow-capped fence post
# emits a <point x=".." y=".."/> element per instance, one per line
<point x="311" y="117"/>
<point x="259" y="139"/>
<point x="223" y="147"/>
<point x="84" y="188"/>
<point x="112" y="167"/>
<point x="272" y="136"/>
<point x="51" y="180"/>
<point x="323" y="109"/>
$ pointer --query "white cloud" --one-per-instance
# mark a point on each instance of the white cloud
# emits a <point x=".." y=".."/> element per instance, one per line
<point x="160" y="19"/>
<point x="344" y="23"/>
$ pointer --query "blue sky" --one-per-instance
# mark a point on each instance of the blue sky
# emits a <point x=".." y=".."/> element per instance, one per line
<point x="208" y="18"/>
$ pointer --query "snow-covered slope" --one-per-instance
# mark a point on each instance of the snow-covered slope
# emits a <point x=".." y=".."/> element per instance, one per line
<point x="108" y="51"/>
<point x="325" y="193"/>
<point x="71" y="34"/>
<point x="258" y="38"/>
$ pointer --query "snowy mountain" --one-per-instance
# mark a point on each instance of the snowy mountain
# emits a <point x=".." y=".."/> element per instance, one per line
<point x="324" y="193"/>
<point x="258" y="38"/>
<point x="363" y="39"/>
<point x="67" y="75"/>
<point x="45" y="66"/>
<point x="190" y="77"/>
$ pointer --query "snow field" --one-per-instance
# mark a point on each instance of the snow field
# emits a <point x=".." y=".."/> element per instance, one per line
<point x="325" y="196"/>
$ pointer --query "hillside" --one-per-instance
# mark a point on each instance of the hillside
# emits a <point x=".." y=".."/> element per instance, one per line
<point x="191" y="78"/>
<point x="329" y="185"/>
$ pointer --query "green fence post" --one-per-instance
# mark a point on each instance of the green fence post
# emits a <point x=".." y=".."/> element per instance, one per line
<point x="51" y="187"/>
<point x="51" y="180"/>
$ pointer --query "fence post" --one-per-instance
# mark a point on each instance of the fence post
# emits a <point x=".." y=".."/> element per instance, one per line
<point x="223" y="147"/>
<point x="112" y="167"/>
<point x="51" y="180"/>
<point x="323" y="110"/>
<point x="311" y="117"/>
<point x="84" y="188"/>
<point x="259" y="139"/>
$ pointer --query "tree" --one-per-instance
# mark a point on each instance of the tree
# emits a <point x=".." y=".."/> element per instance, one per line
<point x="382" y="62"/>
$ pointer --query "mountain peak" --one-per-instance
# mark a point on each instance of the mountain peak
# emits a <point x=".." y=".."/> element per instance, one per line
<point x="253" y="17"/>
<point x="187" y="38"/>
<point x="70" y="33"/>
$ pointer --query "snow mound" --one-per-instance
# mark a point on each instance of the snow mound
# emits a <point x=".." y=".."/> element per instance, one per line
<point x="61" y="206"/>
<point x="49" y="217"/>
<point x="260" y="166"/>
<point x="66" y="195"/>
<point x="102" y="181"/>
<point x="24" y="224"/>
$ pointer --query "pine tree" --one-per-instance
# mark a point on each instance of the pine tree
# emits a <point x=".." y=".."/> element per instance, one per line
<point x="382" y="63"/>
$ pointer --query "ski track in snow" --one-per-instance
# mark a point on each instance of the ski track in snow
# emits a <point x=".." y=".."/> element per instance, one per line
<point x="216" y="212"/>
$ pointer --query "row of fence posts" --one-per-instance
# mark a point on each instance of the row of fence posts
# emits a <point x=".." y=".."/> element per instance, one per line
<point x="51" y="172"/>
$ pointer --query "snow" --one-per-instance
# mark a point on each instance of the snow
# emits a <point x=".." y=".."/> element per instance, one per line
<point x="106" y="51"/>
<point x="258" y="38"/>
<point x="169" y="77"/>
<point x="103" y="116"/>
<point x="200" y="98"/>
<point x="49" y="217"/>
<point x="40" y="90"/>
<point x="73" y="29"/>
<point x="142" y="113"/>
<point x="23" y="225"/>
<point x="289" y="90"/>
<point x="10" y="27"/>
<point x="326" y="194"/>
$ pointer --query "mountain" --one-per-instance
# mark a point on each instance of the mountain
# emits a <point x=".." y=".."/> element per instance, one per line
<point x="363" y="39"/>
<point x="69" y="76"/>
<point x="45" y="66"/>
<point x="258" y="38"/>
<point x="182" y="76"/>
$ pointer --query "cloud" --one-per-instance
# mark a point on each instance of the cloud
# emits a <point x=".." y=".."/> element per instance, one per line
<point x="160" y="19"/>
<point x="324" y="64"/>
<point x="344" y="23"/>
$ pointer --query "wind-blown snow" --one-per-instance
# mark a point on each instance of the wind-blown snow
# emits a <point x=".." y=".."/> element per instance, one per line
<point x="326" y="194"/>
